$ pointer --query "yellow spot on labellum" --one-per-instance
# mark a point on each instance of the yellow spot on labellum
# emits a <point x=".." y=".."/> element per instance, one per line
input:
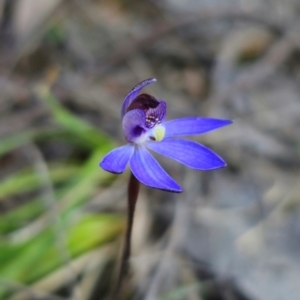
<point x="159" y="132"/>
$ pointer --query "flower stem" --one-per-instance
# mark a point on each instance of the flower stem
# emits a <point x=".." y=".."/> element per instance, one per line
<point x="132" y="195"/>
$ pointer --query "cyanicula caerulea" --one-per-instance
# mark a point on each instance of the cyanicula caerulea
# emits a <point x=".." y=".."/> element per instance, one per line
<point x="144" y="127"/>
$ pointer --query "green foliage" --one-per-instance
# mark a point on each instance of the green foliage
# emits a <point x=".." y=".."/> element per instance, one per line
<point x="33" y="256"/>
<point x="30" y="260"/>
<point x="86" y="133"/>
<point x="55" y="34"/>
<point x="28" y="180"/>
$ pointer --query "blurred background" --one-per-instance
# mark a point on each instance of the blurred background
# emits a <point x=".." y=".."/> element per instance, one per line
<point x="65" y="67"/>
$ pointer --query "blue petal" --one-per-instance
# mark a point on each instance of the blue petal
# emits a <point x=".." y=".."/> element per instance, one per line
<point x="148" y="171"/>
<point x="133" y="93"/>
<point x="189" y="153"/>
<point x="133" y="124"/>
<point x="192" y="126"/>
<point x="116" y="160"/>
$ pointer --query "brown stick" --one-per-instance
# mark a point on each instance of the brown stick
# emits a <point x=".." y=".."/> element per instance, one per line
<point x="133" y="191"/>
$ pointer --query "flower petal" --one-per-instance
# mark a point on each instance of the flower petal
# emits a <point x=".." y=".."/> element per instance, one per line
<point x="189" y="153"/>
<point x="148" y="171"/>
<point x="134" y="92"/>
<point x="133" y="124"/>
<point x="193" y="125"/>
<point x="116" y="160"/>
<point x="156" y="115"/>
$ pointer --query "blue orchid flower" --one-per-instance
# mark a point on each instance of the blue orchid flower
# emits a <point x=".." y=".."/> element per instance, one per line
<point x="144" y="127"/>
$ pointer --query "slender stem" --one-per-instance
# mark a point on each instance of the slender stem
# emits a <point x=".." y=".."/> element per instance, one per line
<point x="132" y="195"/>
